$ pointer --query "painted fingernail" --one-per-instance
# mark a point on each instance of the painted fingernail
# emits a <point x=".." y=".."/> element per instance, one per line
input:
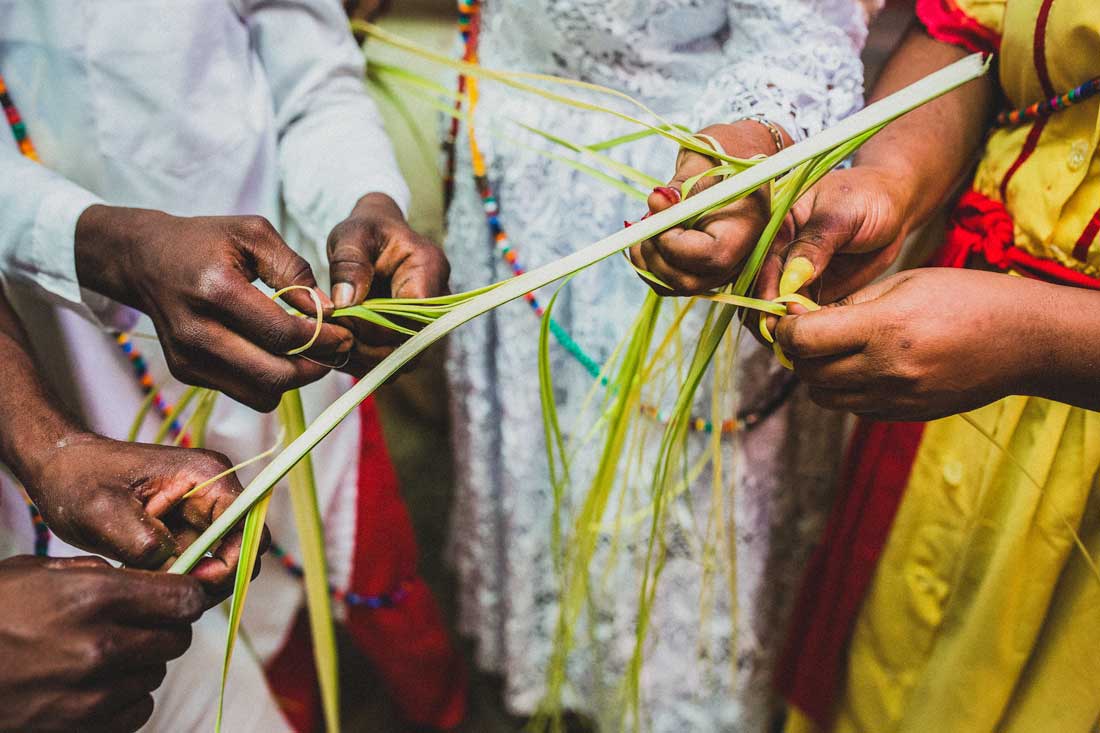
<point x="795" y="274"/>
<point x="342" y="293"/>
<point x="669" y="193"/>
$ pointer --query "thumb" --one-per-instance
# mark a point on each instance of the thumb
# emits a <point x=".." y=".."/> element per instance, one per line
<point x="818" y="238"/>
<point x="123" y="530"/>
<point x="352" y="248"/>
<point x="843" y="327"/>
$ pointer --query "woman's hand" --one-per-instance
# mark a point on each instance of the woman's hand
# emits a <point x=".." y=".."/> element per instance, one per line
<point x="708" y="256"/>
<point x="928" y="343"/>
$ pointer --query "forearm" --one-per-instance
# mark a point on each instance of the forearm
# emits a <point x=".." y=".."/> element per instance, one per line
<point x="927" y="151"/>
<point x="1064" y="357"/>
<point x="31" y="421"/>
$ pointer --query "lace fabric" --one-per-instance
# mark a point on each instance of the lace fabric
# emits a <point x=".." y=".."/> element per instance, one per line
<point x="710" y="654"/>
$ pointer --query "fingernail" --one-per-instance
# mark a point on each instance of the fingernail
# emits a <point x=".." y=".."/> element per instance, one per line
<point x="669" y="193"/>
<point x="795" y="274"/>
<point x="342" y="293"/>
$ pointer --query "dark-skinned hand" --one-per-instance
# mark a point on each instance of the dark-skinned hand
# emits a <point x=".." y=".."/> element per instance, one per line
<point x="374" y="254"/>
<point x="193" y="277"/>
<point x="925" y="343"/>
<point x="695" y="260"/>
<point x="84" y="644"/>
<point x="123" y="501"/>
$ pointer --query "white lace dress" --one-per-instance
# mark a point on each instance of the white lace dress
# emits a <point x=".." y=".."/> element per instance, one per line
<point x="710" y="657"/>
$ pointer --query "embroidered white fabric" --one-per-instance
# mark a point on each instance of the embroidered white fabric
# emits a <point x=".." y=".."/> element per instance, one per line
<point x="709" y="661"/>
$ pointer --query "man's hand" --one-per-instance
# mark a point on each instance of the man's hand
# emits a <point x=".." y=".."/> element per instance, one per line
<point x="193" y="277"/>
<point x="84" y="644"/>
<point x="926" y="343"/>
<point x="374" y="253"/>
<point x="123" y="500"/>
<point x="693" y="261"/>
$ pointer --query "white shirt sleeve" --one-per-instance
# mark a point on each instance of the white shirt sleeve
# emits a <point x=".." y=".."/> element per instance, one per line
<point x="37" y="230"/>
<point x="333" y="148"/>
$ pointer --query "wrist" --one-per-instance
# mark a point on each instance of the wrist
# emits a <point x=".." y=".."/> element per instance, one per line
<point x="749" y="136"/>
<point x="39" y="456"/>
<point x="1058" y="324"/>
<point x="107" y="247"/>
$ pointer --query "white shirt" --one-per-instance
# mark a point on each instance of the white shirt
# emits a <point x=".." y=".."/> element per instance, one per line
<point x="190" y="106"/>
<point x="193" y="107"/>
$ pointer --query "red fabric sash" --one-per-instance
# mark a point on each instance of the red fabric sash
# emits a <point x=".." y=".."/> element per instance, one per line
<point x="982" y="226"/>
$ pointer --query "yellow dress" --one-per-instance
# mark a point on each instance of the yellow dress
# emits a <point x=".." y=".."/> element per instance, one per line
<point x="984" y="611"/>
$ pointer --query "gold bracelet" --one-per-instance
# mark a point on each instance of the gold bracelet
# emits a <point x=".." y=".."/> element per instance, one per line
<point x="777" y="134"/>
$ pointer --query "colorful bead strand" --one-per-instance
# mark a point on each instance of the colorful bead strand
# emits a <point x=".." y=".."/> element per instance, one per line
<point x="18" y="126"/>
<point x="148" y="387"/>
<point x="1039" y="110"/>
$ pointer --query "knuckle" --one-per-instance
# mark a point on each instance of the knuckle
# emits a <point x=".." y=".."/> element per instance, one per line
<point x="793" y="337"/>
<point x="182" y="367"/>
<point x="256" y="227"/>
<point x="93" y="653"/>
<point x="141" y="712"/>
<point x="276" y="381"/>
<point x="296" y="269"/>
<point x="209" y="461"/>
<point x="147" y="552"/>
<point x="155" y="675"/>
<point x="214" y="282"/>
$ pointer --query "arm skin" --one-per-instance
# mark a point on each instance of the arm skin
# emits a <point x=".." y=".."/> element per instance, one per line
<point x="122" y="500"/>
<point x="928" y="150"/>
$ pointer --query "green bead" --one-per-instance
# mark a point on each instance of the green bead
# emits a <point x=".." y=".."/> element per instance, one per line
<point x="20" y="131"/>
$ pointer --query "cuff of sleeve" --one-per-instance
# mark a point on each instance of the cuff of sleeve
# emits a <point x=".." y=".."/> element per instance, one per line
<point x="51" y="262"/>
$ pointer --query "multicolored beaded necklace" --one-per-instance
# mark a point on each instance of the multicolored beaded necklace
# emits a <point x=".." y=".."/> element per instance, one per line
<point x="469" y="26"/>
<point x="1039" y="110"/>
<point x="165" y="410"/>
